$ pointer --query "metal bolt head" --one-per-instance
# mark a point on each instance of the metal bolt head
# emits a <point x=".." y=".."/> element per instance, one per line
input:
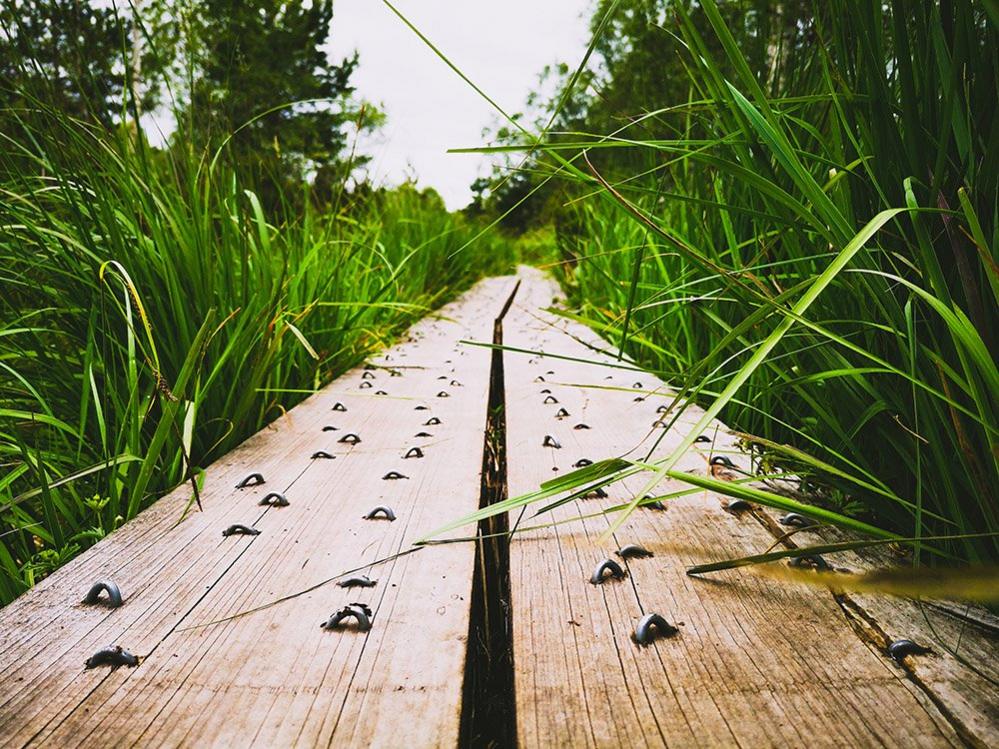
<point x="651" y="626"/>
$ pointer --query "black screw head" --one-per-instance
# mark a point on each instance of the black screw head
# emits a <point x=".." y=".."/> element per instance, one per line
<point x="382" y="510"/>
<point x="655" y="505"/>
<point x="900" y="649"/>
<point x="357" y="581"/>
<point x="651" y="626"/>
<point x="633" y="551"/>
<point x="103" y="586"/>
<point x="808" y="562"/>
<point x="114" y="657"/>
<point x="432" y="421"/>
<point x="581" y="426"/>
<point x="350" y="439"/>
<point x="550" y="441"/>
<point x="238" y="529"/>
<point x="359" y="612"/>
<point x="339" y="407"/>
<point x="254" y="479"/>
<point x="275" y="499"/>
<point x="796" y="520"/>
<point x="607" y="566"/>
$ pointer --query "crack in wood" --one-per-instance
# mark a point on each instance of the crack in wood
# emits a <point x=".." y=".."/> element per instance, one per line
<point x="870" y="632"/>
<point x="488" y="715"/>
<point x="867" y="629"/>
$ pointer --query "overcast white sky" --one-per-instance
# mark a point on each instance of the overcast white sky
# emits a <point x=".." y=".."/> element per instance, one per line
<point x="502" y="45"/>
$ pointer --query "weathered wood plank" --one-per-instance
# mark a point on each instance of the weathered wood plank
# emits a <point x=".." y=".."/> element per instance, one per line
<point x="756" y="663"/>
<point x="274" y="677"/>
<point x="961" y="673"/>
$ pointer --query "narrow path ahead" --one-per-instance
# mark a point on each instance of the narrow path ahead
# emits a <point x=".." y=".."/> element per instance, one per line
<point x="513" y="644"/>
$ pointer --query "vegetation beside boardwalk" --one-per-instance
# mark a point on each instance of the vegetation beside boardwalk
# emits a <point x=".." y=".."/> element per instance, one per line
<point x="787" y="209"/>
<point x="714" y="164"/>
<point x="159" y="305"/>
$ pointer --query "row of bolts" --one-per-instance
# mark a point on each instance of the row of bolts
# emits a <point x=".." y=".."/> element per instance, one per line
<point x="653" y="624"/>
<point x="117" y="656"/>
<point x="648" y="627"/>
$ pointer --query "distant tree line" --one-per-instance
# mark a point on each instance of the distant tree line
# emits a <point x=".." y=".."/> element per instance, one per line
<point x="639" y="66"/>
<point x="815" y="59"/>
<point x="253" y="76"/>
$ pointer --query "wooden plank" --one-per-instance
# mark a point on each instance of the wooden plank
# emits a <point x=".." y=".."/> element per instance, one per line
<point x="961" y="673"/>
<point x="756" y="662"/>
<point x="274" y="677"/>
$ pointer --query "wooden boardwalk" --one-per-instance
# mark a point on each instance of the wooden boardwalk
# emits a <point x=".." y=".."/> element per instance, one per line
<point x="755" y="663"/>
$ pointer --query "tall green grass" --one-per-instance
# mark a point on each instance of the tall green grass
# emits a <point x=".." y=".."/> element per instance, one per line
<point x="808" y="248"/>
<point x="886" y="389"/>
<point x="153" y="314"/>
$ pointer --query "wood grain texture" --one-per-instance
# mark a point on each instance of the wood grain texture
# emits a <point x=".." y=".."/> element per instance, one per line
<point x="961" y="671"/>
<point x="273" y="677"/>
<point x="756" y="662"/>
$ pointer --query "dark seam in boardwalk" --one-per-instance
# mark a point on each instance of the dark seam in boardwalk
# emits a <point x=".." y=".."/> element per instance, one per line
<point x="488" y="710"/>
<point x="858" y="617"/>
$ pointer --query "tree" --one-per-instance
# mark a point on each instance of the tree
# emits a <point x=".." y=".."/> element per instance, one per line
<point x="79" y="58"/>
<point x="636" y="86"/>
<point x="250" y="57"/>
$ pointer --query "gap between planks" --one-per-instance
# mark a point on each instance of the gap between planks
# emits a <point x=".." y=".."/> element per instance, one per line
<point x="275" y="678"/>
